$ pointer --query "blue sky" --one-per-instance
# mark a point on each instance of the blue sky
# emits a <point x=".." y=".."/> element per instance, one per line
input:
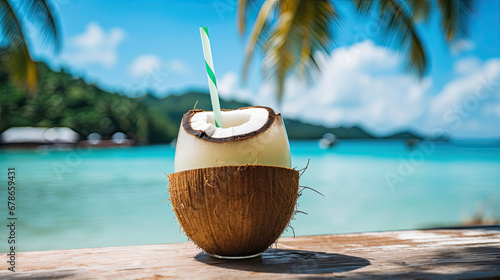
<point x="135" y="46"/>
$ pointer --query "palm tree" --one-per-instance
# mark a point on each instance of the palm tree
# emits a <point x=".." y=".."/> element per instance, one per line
<point x="291" y="31"/>
<point x="16" y="44"/>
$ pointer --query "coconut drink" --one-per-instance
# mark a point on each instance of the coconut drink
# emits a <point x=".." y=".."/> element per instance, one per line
<point x="233" y="191"/>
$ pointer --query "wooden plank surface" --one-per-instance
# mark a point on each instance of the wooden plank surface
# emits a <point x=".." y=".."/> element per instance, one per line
<point x="422" y="254"/>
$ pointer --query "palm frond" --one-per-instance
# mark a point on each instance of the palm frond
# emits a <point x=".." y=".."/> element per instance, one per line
<point x="22" y="68"/>
<point x="326" y="19"/>
<point x="300" y="28"/>
<point x="363" y="6"/>
<point x="258" y="36"/>
<point x="283" y="43"/>
<point x="455" y="15"/>
<point x="318" y="34"/>
<point x="420" y="9"/>
<point x="20" y="64"/>
<point x="305" y="50"/>
<point x="42" y="12"/>
<point x="12" y="34"/>
<point x="245" y="7"/>
<point x="398" y="25"/>
<point x="465" y="11"/>
<point x="398" y="22"/>
<point x="303" y="28"/>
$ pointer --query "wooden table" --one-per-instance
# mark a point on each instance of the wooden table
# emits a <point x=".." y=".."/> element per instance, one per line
<point x="470" y="253"/>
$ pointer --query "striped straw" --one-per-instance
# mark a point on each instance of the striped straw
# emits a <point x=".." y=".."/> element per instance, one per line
<point x="212" y="84"/>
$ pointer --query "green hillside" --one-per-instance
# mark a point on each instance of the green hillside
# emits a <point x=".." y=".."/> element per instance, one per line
<point x="64" y="100"/>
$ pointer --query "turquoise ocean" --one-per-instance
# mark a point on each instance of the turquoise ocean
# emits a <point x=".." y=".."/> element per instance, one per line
<point x="76" y="198"/>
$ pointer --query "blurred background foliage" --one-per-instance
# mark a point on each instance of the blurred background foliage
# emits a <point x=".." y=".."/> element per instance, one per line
<point x="15" y="44"/>
<point x="71" y="102"/>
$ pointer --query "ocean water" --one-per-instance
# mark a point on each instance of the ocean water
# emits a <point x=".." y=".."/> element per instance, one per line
<point x="112" y="197"/>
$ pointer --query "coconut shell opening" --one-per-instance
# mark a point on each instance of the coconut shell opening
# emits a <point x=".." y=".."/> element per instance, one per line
<point x="202" y="134"/>
<point x="234" y="210"/>
<point x="261" y="140"/>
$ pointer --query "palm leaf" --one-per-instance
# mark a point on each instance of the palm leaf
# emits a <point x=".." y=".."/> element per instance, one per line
<point x="41" y="11"/>
<point x="400" y="23"/>
<point x="20" y="64"/>
<point x="305" y="50"/>
<point x="320" y="19"/>
<point x="302" y="28"/>
<point x="22" y="68"/>
<point x="465" y="10"/>
<point x="259" y="32"/>
<point x="420" y="9"/>
<point x="10" y="27"/>
<point x="245" y="7"/>
<point x="399" y="27"/>
<point x="363" y="6"/>
<point x="283" y="43"/>
<point x="455" y="15"/>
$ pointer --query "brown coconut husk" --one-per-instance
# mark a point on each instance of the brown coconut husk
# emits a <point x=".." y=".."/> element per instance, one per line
<point x="234" y="211"/>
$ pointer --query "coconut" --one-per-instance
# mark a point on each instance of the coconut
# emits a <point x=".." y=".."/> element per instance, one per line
<point x="233" y="191"/>
<point x="253" y="135"/>
<point x="234" y="211"/>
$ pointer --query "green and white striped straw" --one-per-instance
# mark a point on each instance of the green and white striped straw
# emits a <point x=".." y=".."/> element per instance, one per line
<point x="212" y="84"/>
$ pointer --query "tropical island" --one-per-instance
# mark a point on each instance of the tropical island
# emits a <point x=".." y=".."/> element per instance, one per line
<point x="63" y="100"/>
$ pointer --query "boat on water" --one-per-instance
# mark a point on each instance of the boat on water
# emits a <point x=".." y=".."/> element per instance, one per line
<point x="327" y="141"/>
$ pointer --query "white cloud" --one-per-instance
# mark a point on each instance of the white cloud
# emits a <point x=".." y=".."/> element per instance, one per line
<point x="467" y="65"/>
<point x="470" y="100"/>
<point x="358" y="85"/>
<point x="178" y="66"/>
<point x="95" y="46"/>
<point x="150" y="64"/>
<point x="227" y="84"/>
<point x="462" y="45"/>
<point x="144" y="65"/>
<point x="228" y="87"/>
<point x="480" y="82"/>
<point x="365" y="85"/>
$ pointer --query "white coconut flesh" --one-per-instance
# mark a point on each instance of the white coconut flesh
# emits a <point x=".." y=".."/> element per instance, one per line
<point x="253" y="135"/>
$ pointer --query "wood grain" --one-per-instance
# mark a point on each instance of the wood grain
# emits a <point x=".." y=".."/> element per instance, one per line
<point x="423" y="254"/>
